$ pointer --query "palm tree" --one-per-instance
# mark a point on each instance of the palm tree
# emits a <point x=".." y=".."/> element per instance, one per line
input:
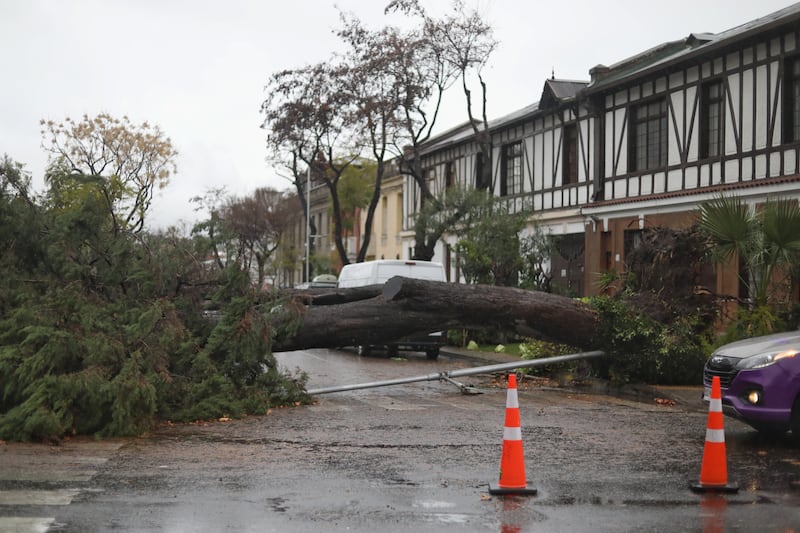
<point x="764" y="238"/>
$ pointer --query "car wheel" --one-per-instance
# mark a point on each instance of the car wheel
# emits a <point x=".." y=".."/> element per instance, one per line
<point x="432" y="353"/>
<point x="795" y="422"/>
<point x="364" y="350"/>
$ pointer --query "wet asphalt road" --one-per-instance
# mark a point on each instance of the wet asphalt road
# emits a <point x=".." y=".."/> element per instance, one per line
<point x="415" y="457"/>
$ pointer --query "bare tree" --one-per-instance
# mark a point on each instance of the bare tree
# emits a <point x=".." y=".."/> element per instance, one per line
<point x="213" y="201"/>
<point x="258" y="223"/>
<point x="372" y="86"/>
<point x="456" y="46"/>
<point x="383" y="96"/>
<point x="130" y="160"/>
<point x="305" y="114"/>
<point x="465" y="42"/>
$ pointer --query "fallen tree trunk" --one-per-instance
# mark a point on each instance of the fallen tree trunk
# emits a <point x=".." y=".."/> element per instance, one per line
<point x="410" y="306"/>
<point x="333" y="296"/>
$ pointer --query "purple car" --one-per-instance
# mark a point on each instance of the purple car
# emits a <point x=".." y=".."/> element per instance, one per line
<point x="760" y="380"/>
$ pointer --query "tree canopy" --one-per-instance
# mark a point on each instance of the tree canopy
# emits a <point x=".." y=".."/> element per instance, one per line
<point x="102" y="330"/>
<point x="127" y="161"/>
<point x="765" y="240"/>
<point x="378" y="100"/>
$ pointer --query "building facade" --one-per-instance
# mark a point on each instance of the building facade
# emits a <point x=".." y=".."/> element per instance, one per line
<point x="386" y="242"/>
<point x="318" y="232"/>
<point x="642" y="143"/>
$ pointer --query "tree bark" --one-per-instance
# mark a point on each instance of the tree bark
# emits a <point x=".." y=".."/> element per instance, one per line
<point x="407" y="307"/>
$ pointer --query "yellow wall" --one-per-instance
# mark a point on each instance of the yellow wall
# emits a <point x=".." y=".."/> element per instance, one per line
<point x="385" y="240"/>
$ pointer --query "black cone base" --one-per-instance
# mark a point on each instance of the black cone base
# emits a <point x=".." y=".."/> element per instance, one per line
<point x="523" y="491"/>
<point x="728" y="488"/>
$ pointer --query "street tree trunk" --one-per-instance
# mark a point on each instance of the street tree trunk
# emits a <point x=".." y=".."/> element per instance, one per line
<point x="405" y="306"/>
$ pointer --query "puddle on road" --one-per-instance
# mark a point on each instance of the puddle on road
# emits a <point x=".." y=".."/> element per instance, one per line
<point x="434" y="506"/>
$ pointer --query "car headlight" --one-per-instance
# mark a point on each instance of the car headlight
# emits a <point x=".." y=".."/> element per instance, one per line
<point x="764" y="359"/>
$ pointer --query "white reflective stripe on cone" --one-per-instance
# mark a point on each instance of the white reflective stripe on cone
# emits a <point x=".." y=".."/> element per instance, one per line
<point x="512" y="402"/>
<point x="715" y="435"/>
<point x="512" y="433"/>
<point x="715" y="405"/>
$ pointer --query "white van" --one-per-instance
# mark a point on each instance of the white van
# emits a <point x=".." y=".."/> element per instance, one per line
<point x="379" y="272"/>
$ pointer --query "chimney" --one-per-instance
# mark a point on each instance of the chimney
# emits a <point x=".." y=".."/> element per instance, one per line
<point x="598" y="72"/>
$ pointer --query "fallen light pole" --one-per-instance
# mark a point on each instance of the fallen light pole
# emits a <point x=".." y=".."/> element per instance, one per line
<point x="448" y="376"/>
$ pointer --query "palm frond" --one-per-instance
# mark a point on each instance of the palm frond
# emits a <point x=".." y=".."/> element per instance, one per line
<point x="730" y="225"/>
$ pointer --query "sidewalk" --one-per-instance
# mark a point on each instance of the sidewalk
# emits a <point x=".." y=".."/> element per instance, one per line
<point x="489" y="358"/>
<point x="687" y="397"/>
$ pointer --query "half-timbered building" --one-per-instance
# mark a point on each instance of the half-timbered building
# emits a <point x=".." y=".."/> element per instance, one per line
<point x="643" y="142"/>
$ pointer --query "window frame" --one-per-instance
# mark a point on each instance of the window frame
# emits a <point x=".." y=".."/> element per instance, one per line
<point x="512" y="160"/>
<point x="569" y="165"/>
<point x="790" y="115"/>
<point x="449" y="175"/>
<point x="384" y="216"/>
<point x="712" y="140"/>
<point x="479" y="162"/>
<point x="653" y="124"/>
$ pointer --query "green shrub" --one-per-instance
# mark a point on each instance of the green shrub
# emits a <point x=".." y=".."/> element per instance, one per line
<point x="640" y="349"/>
<point x="761" y="320"/>
<point x="533" y="349"/>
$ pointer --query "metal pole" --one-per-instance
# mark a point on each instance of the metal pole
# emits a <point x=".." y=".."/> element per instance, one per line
<point x="525" y="364"/>
<point x="308" y="222"/>
<point x="375" y="384"/>
<point x="444" y="376"/>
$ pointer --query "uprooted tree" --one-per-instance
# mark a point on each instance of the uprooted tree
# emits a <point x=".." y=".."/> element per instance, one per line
<point x="405" y="306"/>
<point x="657" y="329"/>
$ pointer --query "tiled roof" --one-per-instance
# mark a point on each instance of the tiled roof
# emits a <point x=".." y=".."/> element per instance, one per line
<point x="695" y="44"/>
<point x="462" y="132"/>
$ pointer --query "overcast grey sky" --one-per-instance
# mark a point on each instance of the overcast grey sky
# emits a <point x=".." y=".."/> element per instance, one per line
<point x="198" y="68"/>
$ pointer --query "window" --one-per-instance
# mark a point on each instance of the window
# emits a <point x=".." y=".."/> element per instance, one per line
<point x="412" y="203"/>
<point x="712" y="117"/>
<point x="791" y="100"/>
<point x="570" y="149"/>
<point x="480" y="166"/>
<point x="449" y="174"/>
<point x="430" y="183"/>
<point x="511" y="182"/>
<point x="648" y="136"/>
<point x="399" y="214"/>
<point x="384" y="217"/>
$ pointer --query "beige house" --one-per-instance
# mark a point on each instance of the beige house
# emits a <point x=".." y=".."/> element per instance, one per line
<point x="385" y="242"/>
<point x="385" y="239"/>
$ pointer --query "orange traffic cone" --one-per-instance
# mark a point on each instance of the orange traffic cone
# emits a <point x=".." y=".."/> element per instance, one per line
<point x="714" y="470"/>
<point x="512" y="462"/>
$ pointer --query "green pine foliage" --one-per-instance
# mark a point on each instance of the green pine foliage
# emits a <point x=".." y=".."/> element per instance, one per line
<point x="102" y="332"/>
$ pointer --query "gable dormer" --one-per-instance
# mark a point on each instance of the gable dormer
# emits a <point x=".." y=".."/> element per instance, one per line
<point x="557" y="92"/>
